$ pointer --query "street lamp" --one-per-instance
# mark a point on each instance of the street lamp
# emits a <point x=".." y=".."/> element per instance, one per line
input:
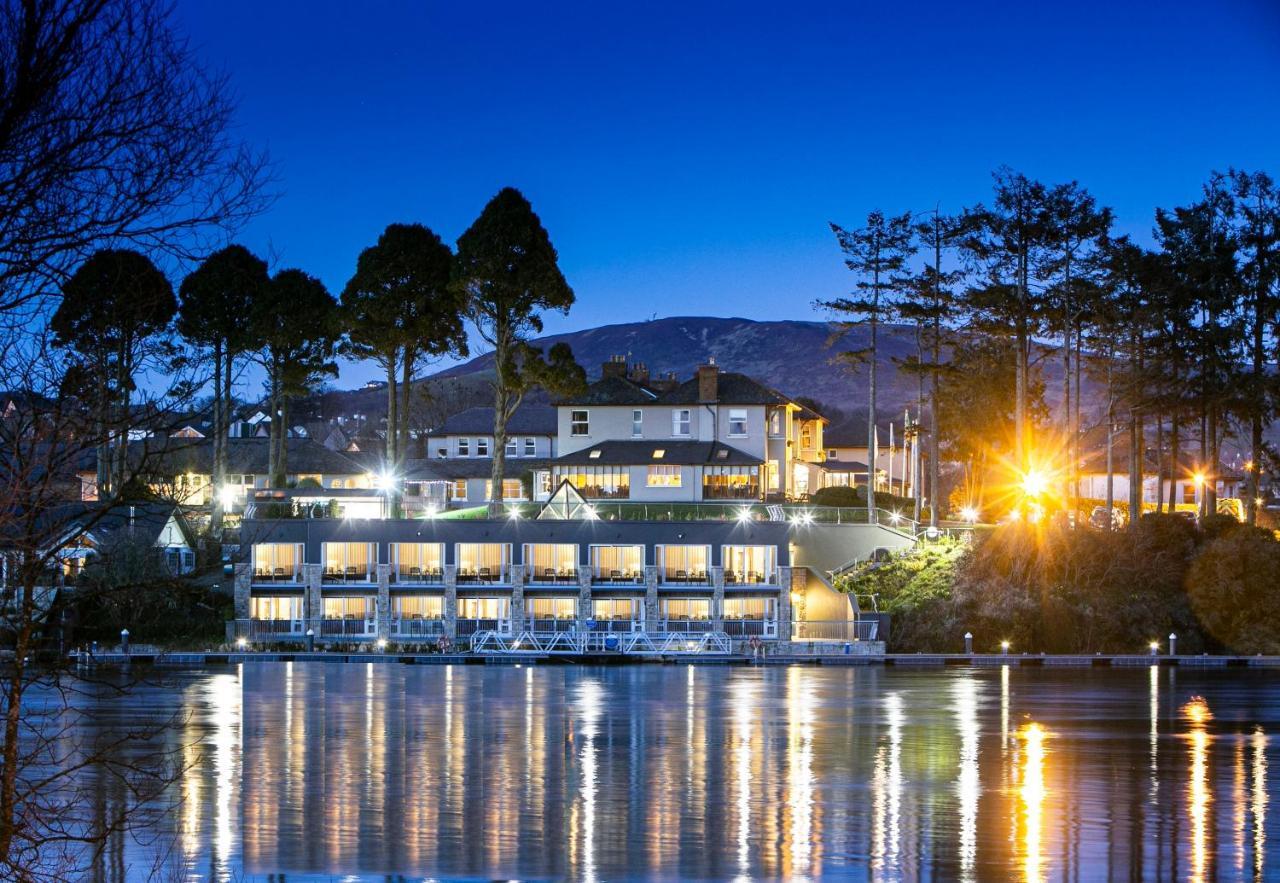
<point x="1004" y="648"/>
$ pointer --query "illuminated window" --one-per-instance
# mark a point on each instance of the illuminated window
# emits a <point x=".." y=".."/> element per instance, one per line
<point x="663" y="476"/>
<point x="680" y="422"/>
<point x="459" y="489"/>
<point x="737" y="422"/>
<point x="579" y="423"/>
<point x="659" y="453"/>
<point x="594" y="455"/>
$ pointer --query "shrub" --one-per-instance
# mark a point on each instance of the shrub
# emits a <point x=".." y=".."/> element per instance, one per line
<point x="1231" y="585"/>
<point x="838" y="496"/>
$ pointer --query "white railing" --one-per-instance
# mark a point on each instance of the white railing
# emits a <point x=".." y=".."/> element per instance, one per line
<point x="835" y="630"/>
<point x="417" y="628"/>
<point x="749" y="628"/>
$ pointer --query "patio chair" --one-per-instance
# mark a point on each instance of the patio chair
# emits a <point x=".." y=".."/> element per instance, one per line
<point x="615" y="574"/>
<point x="681" y="576"/>
<point x="436" y="574"/>
<point x="415" y="573"/>
<point x="279" y="573"/>
<point x="730" y="576"/>
<point x="549" y="574"/>
<point x="485" y="575"/>
<point x="351" y="572"/>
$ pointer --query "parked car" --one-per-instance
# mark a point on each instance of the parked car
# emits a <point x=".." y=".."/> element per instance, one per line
<point x="1104" y="519"/>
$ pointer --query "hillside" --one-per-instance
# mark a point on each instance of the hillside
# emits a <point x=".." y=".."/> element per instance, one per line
<point x="793" y="357"/>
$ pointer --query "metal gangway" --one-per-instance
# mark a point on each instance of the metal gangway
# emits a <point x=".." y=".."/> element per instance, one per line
<point x="575" y="643"/>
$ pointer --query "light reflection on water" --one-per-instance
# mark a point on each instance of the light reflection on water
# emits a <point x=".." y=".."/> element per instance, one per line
<point x="684" y="772"/>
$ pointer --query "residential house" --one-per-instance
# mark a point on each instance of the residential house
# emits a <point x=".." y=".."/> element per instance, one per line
<point x="719" y="436"/>
<point x="847" y="455"/>
<point x="182" y="469"/>
<point x="1180" y="487"/>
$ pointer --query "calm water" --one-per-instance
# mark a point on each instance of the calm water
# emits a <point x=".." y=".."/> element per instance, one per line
<point x="318" y="771"/>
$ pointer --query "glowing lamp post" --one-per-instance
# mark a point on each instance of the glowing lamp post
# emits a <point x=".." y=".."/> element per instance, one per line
<point x="1004" y="648"/>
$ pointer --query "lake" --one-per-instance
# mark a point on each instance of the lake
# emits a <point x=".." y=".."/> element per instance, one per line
<point x="682" y="772"/>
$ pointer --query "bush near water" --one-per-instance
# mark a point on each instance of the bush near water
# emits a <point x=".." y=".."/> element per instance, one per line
<point x="1050" y="589"/>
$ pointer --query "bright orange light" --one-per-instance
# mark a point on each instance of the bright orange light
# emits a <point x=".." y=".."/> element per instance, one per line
<point x="1198" y="478"/>
<point x="1034" y="483"/>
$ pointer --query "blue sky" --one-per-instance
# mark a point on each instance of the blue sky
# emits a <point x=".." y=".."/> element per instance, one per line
<point x="686" y="158"/>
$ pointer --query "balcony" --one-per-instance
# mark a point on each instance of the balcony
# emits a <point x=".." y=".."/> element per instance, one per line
<point x="418" y="576"/>
<point x="685" y="626"/>
<point x="551" y="576"/>
<point x="351" y="574"/>
<point x="617" y="626"/>
<point x="270" y="629"/>
<point x="468" y="627"/>
<point x="684" y="578"/>
<point x="552" y="624"/>
<point x="274" y="575"/>
<point x="484" y="576"/>
<point x="348" y="628"/>
<point x="747" y="579"/>
<point x="750" y="628"/>
<point x="618" y="577"/>
<point x="417" y="627"/>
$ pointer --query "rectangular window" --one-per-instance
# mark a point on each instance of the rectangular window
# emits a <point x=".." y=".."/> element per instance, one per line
<point x="348" y="562"/>
<point x="637" y="423"/>
<point x="551" y="563"/>
<point x="737" y="423"/>
<point x="597" y="482"/>
<point x="663" y="476"/>
<point x="348" y="608"/>
<point x="697" y="609"/>
<point x="484" y="608"/>
<point x="459" y="490"/>
<point x="530" y="446"/>
<point x="482" y="447"/>
<point x="617" y="614"/>
<point x="513" y="445"/>
<point x="617" y="564"/>
<point x="561" y="609"/>
<point x="683" y="564"/>
<point x="417" y="607"/>
<point x="417" y="562"/>
<point x="512" y="489"/>
<point x="775" y="422"/>
<point x="680" y="422"/>
<point x="579" y="423"/>
<point x="731" y="482"/>
<point x="464" y="447"/>
<point x="748" y="565"/>
<point x="277" y="562"/>
<point x="276" y="608"/>
<point x="483" y="562"/>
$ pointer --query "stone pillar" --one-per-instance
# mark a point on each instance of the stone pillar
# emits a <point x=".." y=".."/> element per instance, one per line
<point x="517" y="598"/>
<point x="312" y="575"/>
<point x="242" y="586"/>
<point x="584" y="598"/>
<point x="451" y="601"/>
<point x="790" y="580"/>
<point x="383" y="606"/>
<point x="717" y="598"/>
<point x="652" y="612"/>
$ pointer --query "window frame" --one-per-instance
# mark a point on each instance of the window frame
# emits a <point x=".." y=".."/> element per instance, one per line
<point x="677" y="422"/>
<point x="637" y="423"/>
<point x="575" y="422"/>
<point x="738" y="415"/>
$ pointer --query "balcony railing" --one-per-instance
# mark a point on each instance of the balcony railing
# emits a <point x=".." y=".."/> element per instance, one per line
<point x="684" y="578"/>
<point x="617" y="577"/>
<point x="348" y="628"/>
<point x="417" y="628"/>
<point x="270" y="629"/>
<point x="750" y="578"/>
<point x="550" y="576"/>
<point x="418" y="576"/>
<point x="835" y="630"/>
<point x="278" y="575"/>
<point x="552" y="624"/>
<point x="685" y="625"/>
<point x="467" y="627"/>
<point x="748" y="628"/>
<point x="616" y="626"/>
<point x="484" y="576"/>
<point x="352" y="573"/>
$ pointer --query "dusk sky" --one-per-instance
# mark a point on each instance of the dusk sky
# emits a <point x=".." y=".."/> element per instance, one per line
<point x="686" y="160"/>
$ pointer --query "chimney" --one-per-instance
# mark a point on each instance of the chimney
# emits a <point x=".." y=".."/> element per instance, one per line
<point x="639" y="373"/>
<point x="709" y="382"/>
<point x="665" y="383"/>
<point x="615" y="367"/>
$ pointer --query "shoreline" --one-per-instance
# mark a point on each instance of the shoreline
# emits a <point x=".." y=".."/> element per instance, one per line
<point x="195" y="659"/>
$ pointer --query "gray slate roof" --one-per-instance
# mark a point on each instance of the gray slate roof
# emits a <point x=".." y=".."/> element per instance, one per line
<point x="527" y="420"/>
<point x="675" y="453"/>
<point x="172" y="456"/>
<point x="448" y="469"/>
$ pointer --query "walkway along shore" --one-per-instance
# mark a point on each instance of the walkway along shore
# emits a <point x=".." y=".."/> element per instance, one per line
<point x="912" y="660"/>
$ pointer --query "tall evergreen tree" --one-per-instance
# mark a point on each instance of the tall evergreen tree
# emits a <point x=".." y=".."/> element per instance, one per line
<point x="295" y="322"/>
<point x="114" y="312"/>
<point x="877" y="255"/>
<point x="216" y="299"/>
<point x="400" y="310"/>
<point x="507" y="271"/>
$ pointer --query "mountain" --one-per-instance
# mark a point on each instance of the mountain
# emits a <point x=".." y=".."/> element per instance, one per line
<point x="796" y="358"/>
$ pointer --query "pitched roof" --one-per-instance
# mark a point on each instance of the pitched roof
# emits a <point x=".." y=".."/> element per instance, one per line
<point x="643" y="453"/>
<point x="732" y="388"/>
<point x="527" y="420"/>
<point x="448" y="469"/>
<point x="852" y="433"/>
<point x="613" y="391"/>
<point x="172" y="456"/>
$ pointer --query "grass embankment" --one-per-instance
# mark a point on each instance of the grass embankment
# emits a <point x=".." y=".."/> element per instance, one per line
<point x="1054" y="590"/>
